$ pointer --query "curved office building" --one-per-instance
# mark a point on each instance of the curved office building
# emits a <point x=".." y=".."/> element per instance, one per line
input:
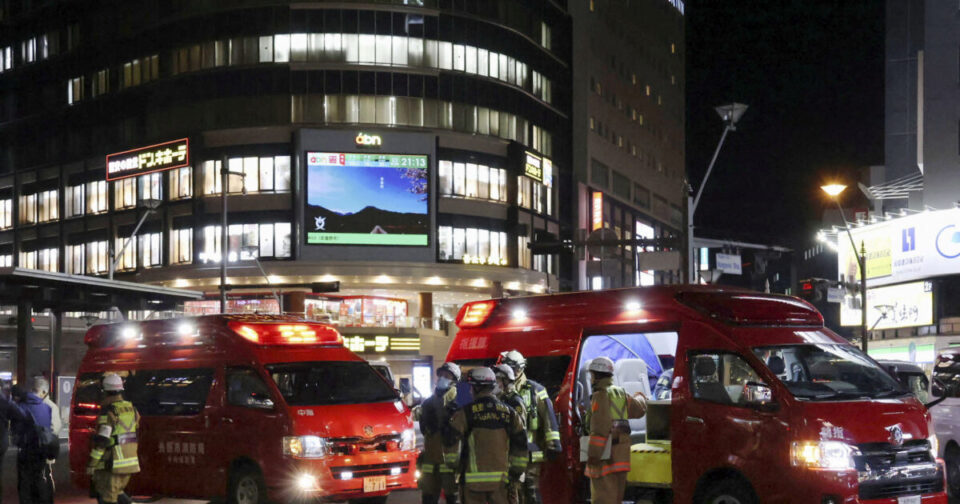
<point x="386" y="160"/>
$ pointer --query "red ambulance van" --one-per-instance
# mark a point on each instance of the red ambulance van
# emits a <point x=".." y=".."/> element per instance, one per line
<point x="752" y="398"/>
<point x="251" y="407"/>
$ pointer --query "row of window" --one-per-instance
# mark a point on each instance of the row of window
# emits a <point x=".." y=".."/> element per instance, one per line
<point x="419" y="112"/>
<point x="41" y="47"/>
<point x="246" y="241"/>
<point x="646" y="158"/>
<point x="380" y="50"/>
<point x="473" y="181"/>
<point x="472" y="246"/>
<point x="602" y="176"/>
<point x="268" y="174"/>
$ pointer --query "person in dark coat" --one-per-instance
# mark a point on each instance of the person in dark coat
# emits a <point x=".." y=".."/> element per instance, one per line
<point x="34" y="474"/>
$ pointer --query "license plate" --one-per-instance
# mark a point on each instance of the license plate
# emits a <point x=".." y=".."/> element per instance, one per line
<point x="379" y="484"/>
<point x="913" y="499"/>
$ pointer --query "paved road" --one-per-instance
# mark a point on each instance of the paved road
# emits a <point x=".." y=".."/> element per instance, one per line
<point x="67" y="494"/>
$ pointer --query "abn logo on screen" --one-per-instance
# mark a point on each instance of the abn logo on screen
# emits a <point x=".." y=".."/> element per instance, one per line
<point x="368" y="140"/>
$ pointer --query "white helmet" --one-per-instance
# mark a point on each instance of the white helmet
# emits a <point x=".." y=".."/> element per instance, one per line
<point x="601" y="365"/>
<point x="112" y="383"/>
<point x="513" y="359"/>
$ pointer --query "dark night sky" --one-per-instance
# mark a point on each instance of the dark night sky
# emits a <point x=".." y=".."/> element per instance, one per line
<point x="812" y="73"/>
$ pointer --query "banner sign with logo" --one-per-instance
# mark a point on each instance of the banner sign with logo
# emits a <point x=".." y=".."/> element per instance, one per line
<point x="914" y="247"/>
<point x="892" y="307"/>
<point x="159" y="157"/>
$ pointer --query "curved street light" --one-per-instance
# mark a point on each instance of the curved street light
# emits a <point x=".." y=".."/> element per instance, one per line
<point x="834" y="190"/>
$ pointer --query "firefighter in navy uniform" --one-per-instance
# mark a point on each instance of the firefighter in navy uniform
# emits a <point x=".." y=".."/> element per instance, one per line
<point x="434" y="417"/>
<point x="608" y="420"/>
<point x="113" y="452"/>
<point x="507" y="393"/>
<point x="487" y="443"/>
<point x="543" y="436"/>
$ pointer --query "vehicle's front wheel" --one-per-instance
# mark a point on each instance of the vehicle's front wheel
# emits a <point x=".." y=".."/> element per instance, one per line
<point x="728" y="491"/>
<point x="952" y="460"/>
<point x="246" y="487"/>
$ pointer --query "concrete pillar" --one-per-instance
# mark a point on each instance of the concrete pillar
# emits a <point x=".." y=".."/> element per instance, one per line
<point x="24" y="313"/>
<point x="496" y="289"/>
<point x="426" y="305"/>
<point x="295" y="302"/>
<point x="56" y="339"/>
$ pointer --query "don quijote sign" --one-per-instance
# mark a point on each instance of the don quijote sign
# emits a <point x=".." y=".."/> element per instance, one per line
<point x="149" y="159"/>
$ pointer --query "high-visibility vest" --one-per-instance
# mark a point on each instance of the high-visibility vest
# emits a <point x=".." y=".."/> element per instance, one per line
<point x="120" y="454"/>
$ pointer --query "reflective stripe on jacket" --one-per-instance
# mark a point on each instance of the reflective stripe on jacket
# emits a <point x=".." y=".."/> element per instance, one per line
<point x="542" y="430"/>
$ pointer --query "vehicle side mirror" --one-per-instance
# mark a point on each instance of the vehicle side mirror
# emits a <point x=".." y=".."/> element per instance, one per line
<point x="404" y="387"/>
<point x="260" y="401"/>
<point x="759" y="396"/>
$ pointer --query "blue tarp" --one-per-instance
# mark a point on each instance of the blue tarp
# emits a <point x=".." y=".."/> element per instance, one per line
<point x="622" y="346"/>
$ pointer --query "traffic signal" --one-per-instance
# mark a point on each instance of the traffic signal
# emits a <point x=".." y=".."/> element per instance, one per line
<point x="813" y="290"/>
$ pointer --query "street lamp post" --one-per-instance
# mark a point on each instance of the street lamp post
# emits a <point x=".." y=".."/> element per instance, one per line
<point x="224" y="245"/>
<point x="254" y="252"/>
<point x="730" y="114"/>
<point x="151" y="205"/>
<point x="834" y="190"/>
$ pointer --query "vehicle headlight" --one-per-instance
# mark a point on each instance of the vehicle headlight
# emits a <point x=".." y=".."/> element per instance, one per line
<point x="408" y="440"/>
<point x="934" y="446"/>
<point x="305" y="446"/>
<point x="825" y="455"/>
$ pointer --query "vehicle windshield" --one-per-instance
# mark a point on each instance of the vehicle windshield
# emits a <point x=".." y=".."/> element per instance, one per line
<point x="326" y="383"/>
<point x="829" y="372"/>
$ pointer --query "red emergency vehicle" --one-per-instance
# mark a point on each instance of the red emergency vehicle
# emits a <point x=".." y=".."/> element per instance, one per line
<point x="752" y="398"/>
<point x="251" y="407"/>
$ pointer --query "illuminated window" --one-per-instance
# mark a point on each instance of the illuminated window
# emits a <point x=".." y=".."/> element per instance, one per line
<point x="75" y="259"/>
<point x="127" y="260"/>
<point x="48" y="206"/>
<point x="100" y="83"/>
<point x="6" y="214"/>
<point x="673" y="48"/>
<point x="124" y="193"/>
<point x="181" y="246"/>
<point x="150" y="249"/>
<point x="181" y="183"/>
<point x="74" y="90"/>
<point x="28" y="209"/>
<point x="48" y="259"/>
<point x="73" y="201"/>
<point x="261" y="175"/>
<point x="97" y="258"/>
<point x="97" y="197"/>
<point x="475" y="181"/>
<point x="545" y="36"/>
<point x="28" y="259"/>
<point x="269" y="240"/>
<point x="150" y="186"/>
<point x="648" y="90"/>
<point x="6" y="260"/>
<point x="591" y="6"/>
<point x="28" y="50"/>
<point x="472" y="245"/>
<point x="6" y="58"/>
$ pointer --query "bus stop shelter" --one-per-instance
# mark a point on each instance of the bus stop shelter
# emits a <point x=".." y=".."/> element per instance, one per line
<point x="35" y="290"/>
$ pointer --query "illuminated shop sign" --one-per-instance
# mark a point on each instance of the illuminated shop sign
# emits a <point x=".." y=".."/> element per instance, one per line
<point x="597" y="220"/>
<point x="381" y="344"/>
<point x="533" y="167"/>
<point x="488" y="261"/>
<point x="892" y="307"/>
<point x="367" y="199"/>
<point x="366" y="140"/>
<point x="154" y="158"/>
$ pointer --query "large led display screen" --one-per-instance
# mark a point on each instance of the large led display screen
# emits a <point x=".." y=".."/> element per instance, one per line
<point x="367" y="199"/>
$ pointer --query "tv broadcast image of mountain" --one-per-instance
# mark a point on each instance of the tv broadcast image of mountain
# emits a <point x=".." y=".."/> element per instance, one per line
<point x="388" y="204"/>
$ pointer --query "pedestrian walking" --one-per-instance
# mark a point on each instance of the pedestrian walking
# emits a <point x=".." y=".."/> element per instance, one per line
<point x="41" y="389"/>
<point x="30" y="421"/>
<point x="113" y="452"/>
<point x="434" y="417"/>
<point x="543" y="435"/>
<point x="487" y="441"/>
<point x="508" y="395"/>
<point x="608" y="455"/>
